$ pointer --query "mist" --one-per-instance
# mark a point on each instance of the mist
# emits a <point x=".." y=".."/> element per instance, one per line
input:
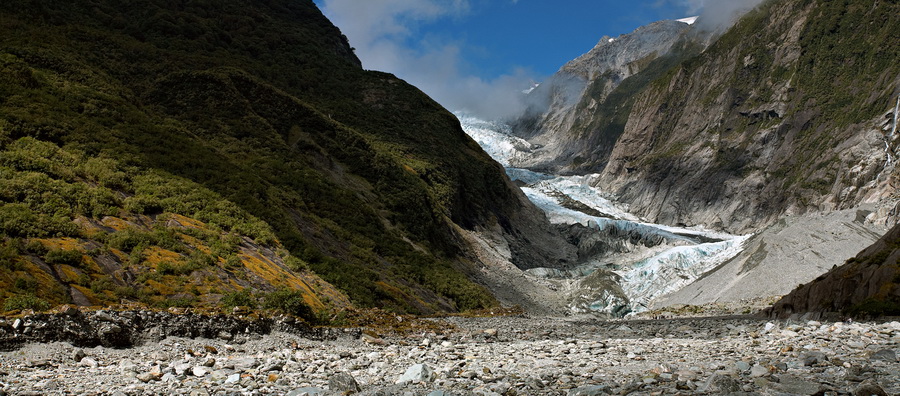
<point x="718" y="15"/>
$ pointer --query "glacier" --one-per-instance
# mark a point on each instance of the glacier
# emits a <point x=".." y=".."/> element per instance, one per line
<point x="647" y="261"/>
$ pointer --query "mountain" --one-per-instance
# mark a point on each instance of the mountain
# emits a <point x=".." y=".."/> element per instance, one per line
<point x="866" y="285"/>
<point x="792" y="110"/>
<point x="175" y="152"/>
<point x="587" y="93"/>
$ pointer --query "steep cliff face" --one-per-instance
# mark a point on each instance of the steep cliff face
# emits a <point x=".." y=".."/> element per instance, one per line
<point x="561" y="108"/>
<point x="789" y="111"/>
<point x="262" y="105"/>
<point x="785" y="113"/>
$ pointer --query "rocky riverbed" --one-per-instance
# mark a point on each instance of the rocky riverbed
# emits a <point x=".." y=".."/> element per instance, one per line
<point x="517" y="355"/>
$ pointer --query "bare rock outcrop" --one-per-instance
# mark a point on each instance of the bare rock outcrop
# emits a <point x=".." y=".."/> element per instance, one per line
<point x="866" y="285"/>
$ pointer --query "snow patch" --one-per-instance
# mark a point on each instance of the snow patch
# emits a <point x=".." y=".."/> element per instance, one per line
<point x="688" y="20"/>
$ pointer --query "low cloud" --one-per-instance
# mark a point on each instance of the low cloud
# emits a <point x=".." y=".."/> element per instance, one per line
<point x="384" y="35"/>
<point x="718" y="14"/>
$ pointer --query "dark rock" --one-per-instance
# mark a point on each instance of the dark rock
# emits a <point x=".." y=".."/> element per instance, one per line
<point x="887" y="355"/>
<point x="794" y="385"/>
<point x="591" y="390"/>
<point x="344" y="383"/>
<point x="720" y="384"/>
<point x="813" y="358"/>
<point x="869" y="388"/>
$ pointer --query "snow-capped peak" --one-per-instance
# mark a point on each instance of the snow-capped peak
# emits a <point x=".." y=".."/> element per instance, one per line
<point x="688" y="20"/>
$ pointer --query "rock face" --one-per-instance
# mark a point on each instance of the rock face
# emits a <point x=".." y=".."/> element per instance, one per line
<point x="561" y="106"/>
<point x="791" y="110"/>
<point x="866" y="285"/>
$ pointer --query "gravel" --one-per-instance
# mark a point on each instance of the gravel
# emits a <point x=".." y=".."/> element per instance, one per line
<point x="519" y="355"/>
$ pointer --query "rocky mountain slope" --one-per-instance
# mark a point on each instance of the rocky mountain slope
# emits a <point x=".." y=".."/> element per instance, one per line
<point x="173" y="153"/>
<point x="866" y="285"/>
<point x="791" y="110"/>
<point x="560" y="109"/>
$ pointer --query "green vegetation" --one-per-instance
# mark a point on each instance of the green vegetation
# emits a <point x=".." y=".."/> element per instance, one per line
<point x="289" y="302"/>
<point x="241" y="298"/>
<point x="25" y="301"/>
<point x="253" y="118"/>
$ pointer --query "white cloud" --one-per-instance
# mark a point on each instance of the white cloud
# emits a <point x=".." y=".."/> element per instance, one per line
<point x="384" y="33"/>
<point x="716" y="14"/>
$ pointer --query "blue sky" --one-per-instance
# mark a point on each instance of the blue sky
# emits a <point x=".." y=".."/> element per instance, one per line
<point x="476" y="54"/>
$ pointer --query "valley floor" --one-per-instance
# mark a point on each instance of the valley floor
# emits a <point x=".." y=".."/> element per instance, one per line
<point x="497" y="355"/>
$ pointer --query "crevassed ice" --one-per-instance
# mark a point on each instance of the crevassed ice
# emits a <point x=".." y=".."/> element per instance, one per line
<point x="683" y="261"/>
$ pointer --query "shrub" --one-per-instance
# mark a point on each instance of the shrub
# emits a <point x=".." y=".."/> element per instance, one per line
<point x="26" y="284"/>
<point x="290" y="302"/>
<point x="241" y="298"/>
<point x="25" y="301"/>
<point x="9" y="255"/>
<point x="62" y="256"/>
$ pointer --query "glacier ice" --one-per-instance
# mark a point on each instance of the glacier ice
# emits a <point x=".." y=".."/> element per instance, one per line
<point x="669" y="257"/>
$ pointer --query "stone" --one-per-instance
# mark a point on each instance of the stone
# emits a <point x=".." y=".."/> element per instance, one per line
<point x="40" y="363"/>
<point x="243" y="363"/>
<point x="795" y="385"/>
<point x="590" y="390"/>
<point x="887" y="355"/>
<point x="200" y="371"/>
<point x="233" y="378"/>
<point x="758" y="371"/>
<point x="307" y="391"/>
<point x="147" y="377"/>
<point x="274" y="365"/>
<point x="88" y="362"/>
<point x="181" y="368"/>
<point x="78" y="354"/>
<point x="343" y="383"/>
<point x="718" y="383"/>
<point x="490" y="332"/>
<point x="372" y="339"/>
<point x="741" y="366"/>
<point x="417" y="373"/>
<point x="869" y="388"/>
<point x="813" y="358"/>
